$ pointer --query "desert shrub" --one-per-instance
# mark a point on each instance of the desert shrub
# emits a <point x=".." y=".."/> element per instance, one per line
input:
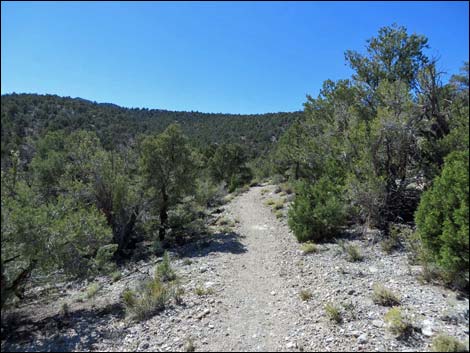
<point x="164" y="270"/>
<point x="279" y="214"/>
<point x="333" y="312"/>
<point x="277" y="179"/>
<point x="442" y="218"/>
<point x="285" y="187"/>
<point x="201" y="291"/>
<point x="278" y="205"/>
<point x="309" y="248"/>
<point x="445" y="343"/>
<point x="178" y="293"/>
<point x="394" y="240"/>
<point x="116" y="276"/>
<point x="305" y="295"/>
<point x="318" y="211"/>
<point x="384" y="296"/>
<point x="270" y="202"/>
<point x="92" y="290"/>
<point x="397" y="322"/>
<point x="152" y="297"/>
<point x="353" y="252"/>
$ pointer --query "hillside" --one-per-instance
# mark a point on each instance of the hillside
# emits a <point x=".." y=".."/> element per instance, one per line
<point x="26" y="115"/>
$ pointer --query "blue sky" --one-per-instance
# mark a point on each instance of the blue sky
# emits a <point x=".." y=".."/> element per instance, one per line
<point x="245" y="57"/>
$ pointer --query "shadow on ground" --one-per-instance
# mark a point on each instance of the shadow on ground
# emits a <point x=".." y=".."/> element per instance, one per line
<point x="77" y="331"/>
<point x="216" y="243"/>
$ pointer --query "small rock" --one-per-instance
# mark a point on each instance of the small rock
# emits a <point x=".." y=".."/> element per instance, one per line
<point x="377" y="323"/>
<point x="427" y="328"/>
<point x="291" y="345"/>
<point x="362" y="338"/>
<point x="145" y="345"/>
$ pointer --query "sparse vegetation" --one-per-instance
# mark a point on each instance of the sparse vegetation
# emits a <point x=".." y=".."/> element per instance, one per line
<point x="270" y="202"/>
<point x="92" y="290"/>
<point x="116" y="276"/>
<point x="151" y="297"/>
<point x="309" y="248"/>
<point x="384" y="296"/>
<point x="445" y="343"/>
<point x="164" y="270"/>
<point x="352" y="252"/>
<point x="333" y="312"/>
<point x="305" y="295"/>
<point x="397" y="322"/>
<point x="393" y="241"/>
<point x="278" y="205"/>
<point x="201" y="291"/>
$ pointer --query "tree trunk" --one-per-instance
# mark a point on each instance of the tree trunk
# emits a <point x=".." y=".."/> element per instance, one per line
<point x="297" y="167"/>
<point x="163" y="216"/>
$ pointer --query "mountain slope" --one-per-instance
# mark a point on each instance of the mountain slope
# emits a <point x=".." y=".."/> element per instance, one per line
<point x="24" y="115"/>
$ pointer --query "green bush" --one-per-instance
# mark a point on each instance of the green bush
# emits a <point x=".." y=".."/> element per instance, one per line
<point x="444" y="343"/>
<point x="164" y="271"/>
<point x="442" y="218"/>
<point x="318" y="211"/>
<point x="149" y="299"/>
<point x="309" y="248"/>
<point x="333" y="312"/>
<point x="397" y="322"/>
<point x="384" y="296"/>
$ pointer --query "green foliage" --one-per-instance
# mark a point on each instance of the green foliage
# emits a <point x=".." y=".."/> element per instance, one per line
<point x="442" y="218"/>
<point x="397" y="322"/>
<point x="151" y="298"/>
<point x="229" y="164"/>
<point x="318" y="211"/>
<point x="27" y="115"/>
<point x="352" y="252"/>
<point x="309" y="248"/>
<point x="153" y="294"/>
<point x="92" y="290"/>
<point x="445" y="343"/>
<point x="164" y="270"/>
<point x="116" y="276"/>
<point x="168" y="167"/>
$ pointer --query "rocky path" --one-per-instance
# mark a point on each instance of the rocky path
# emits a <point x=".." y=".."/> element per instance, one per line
<point x="257" y="311"/>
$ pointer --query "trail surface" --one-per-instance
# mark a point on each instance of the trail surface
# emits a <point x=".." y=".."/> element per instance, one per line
<point x="258" y="304"/>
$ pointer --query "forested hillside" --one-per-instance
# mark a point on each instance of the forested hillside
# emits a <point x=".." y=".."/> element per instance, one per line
<point x="32" y="115"/>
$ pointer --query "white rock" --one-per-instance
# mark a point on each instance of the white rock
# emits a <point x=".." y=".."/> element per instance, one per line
<point x="428" y="328"/>
<point x="362" y="338"/>
<point x="291" y="345"/>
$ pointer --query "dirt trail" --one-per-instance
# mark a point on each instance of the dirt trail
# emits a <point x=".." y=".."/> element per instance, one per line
<point x="257" y="314"/>
<point x="256" y="271"/>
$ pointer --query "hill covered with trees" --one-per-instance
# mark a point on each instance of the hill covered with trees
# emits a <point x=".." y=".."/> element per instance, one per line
<point x="33" y="115"/>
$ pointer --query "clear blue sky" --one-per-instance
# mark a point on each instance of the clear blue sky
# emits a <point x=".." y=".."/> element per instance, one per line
<point x="229" y="57"/>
